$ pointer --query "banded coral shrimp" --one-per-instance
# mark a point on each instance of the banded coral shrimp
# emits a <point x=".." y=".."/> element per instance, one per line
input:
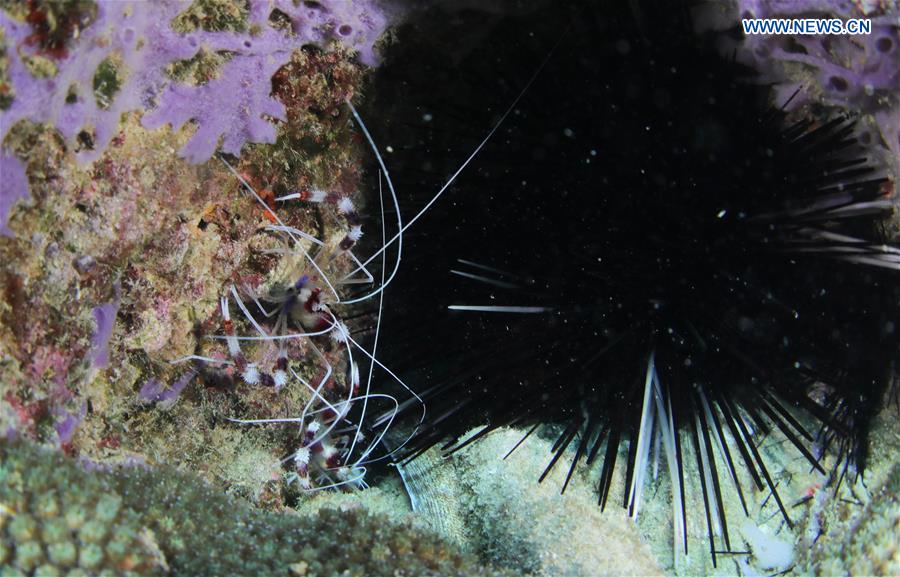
<point x="297" y="314"/>
<point x="287" y="321"/>
<point x="329" y="436"/>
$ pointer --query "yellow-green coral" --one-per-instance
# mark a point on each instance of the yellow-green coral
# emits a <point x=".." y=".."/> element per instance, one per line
<point x="59" y="515"/>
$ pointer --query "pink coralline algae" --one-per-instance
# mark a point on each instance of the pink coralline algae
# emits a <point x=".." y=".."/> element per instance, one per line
<point x="236" y="106"/>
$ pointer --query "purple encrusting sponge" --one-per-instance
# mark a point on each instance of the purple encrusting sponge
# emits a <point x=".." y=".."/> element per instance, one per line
<point x="236" y="106"/>
<point x="856" y="72"/>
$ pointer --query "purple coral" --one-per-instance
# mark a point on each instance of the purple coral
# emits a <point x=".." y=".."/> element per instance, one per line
<point x="105" y="318"/>
<point x="13" y="186"/>
<point x="230" y="106"/>
<point x="136" y="32"/>
<point x="353" y="23"/>
<point x="140" y="36"/>
<point x="67" y="422"/>
<point x="155" y="391"/>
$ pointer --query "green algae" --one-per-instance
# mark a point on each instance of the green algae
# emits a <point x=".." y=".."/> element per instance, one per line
<point x="7" y="94"/>
<point x="199" y="69"/>
<point x="213" y="16"/>
<point x="107" y="81"/>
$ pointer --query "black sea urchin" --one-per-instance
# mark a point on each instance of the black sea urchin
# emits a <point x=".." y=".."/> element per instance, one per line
<point x="646" y="247"/>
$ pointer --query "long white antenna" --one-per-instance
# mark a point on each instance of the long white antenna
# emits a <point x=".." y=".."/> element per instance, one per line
<point x="462" y="167"/>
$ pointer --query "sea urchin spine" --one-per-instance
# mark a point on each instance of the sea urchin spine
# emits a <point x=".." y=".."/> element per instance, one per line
<point x="652" y="251"/>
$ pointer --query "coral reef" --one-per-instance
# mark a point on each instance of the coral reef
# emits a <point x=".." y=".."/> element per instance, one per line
<point x="119" y="234"/>
<point x="851" y="529"/>
<point x="857" y="538"/>
<point x="496" y="508"/>
<point x="116" y="263"/>
<point x="170" y="254"/>
<point x="870" y="545"/>
<point x="136" y="40"/>
<point x="64" y="518"/>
